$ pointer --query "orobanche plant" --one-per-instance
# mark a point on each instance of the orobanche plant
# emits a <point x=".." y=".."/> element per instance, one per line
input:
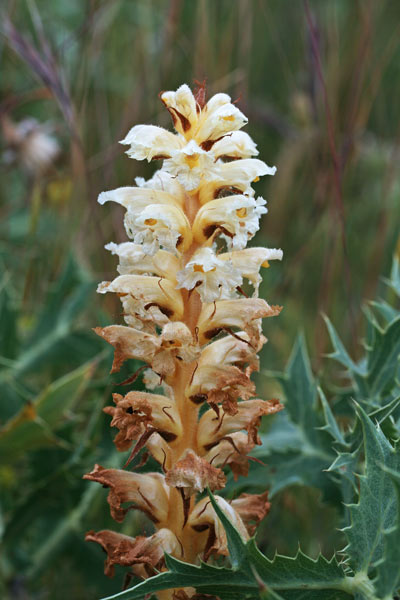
<point x="189" y="292"/>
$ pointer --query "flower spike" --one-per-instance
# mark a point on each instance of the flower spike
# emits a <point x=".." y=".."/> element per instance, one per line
<point x="189" y="289"/>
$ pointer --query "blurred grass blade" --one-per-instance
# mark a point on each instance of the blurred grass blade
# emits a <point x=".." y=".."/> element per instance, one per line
<point x="36" y="423"/>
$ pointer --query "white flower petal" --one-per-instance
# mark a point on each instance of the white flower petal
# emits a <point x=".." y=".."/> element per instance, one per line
<point x="133" y="260"/>
<point x="163" y="181"/>
<point x="236" y="216"/>
<point x="157" y="226"/>
<point x="246" y="171"/>
<point x="216" y="102"/>
<point x="134" y="198"/>
<point x="182" y="106"/>
<point x="214" y="279"/>
<point x="149" y="141"/>
<point x="191" y="165"/>
<point x="219" y="122"/>
<point x="249" y="261"/>
<point x="237" y="144"/>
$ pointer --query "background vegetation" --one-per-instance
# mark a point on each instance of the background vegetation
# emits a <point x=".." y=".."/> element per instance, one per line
<point x="319" y="83"/>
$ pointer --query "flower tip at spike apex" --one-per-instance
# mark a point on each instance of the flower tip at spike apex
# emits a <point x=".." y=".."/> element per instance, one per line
<point x="183" y="279"/>
<point x="103" y="198"/>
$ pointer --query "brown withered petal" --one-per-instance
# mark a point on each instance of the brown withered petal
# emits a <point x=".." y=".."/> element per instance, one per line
<point x="128" y="343"/>
<point x="232" y="451"/>
<point x="136" y="412"/>
<point x="193" y="474"/>
<point x="249" y="412"/>
<point x="223" y="384"/>
<point x="252" y="508"/>
<point x="146" y="492"/>
<point x="130" y="424"/>
<point x="127" y="551"/>
<point x="109" y="541"/>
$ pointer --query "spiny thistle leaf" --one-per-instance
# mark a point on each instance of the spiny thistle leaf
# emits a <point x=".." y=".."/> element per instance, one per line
<point x="300" y="576"/>
<point x="377" y="506"/>
<point x="331" y="425"/>
<point x="376" y="376"/>
<point x="388" y="567"/>
<point x="340" y="353"/>
<point x="225" y="583"/>
<point x="255" y="576"/>
<point x="345" y="466"/>
<point x="383" y="359"/>
<point x="298" y="445"/>
<point x="394" y="281"/>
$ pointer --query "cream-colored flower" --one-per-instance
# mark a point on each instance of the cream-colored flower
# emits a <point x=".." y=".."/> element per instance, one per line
<point x="146" y="292"/>
<point x="237" y="218"/>
<point x="159" y="226"/>
<point x="231" y="351"/>
<point x="236" y="177"/>
<point x="153" y="218"/>
<point x="237" y="144"/>
<point x="191" y="165"/>
<point x="220" y="117"/>
<point x="133" y="261"/>
<point x="245" y="171"/>
<point x="150" y="142"/>
<point x="202" y="123"/>
<point x="163" y="182"/>
<point x="243" y="314"/>
<point x="213" y="278"/>
<point x="182" y="107"/>
<point x="136" y="199"/>
<point x="249" y="261"/>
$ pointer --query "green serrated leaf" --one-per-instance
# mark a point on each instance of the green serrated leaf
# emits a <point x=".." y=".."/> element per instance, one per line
<point x="331" y="425"/>
<point x="340" y="353"/>
<point x="236" y="544"/>
<point x="376" y="509"/>
<point x="345" y="466"/>
<point x="387" y="579"/>
<point x="297" y="448"/>
<point x="205" y="578"/>
<point x="298" y="384"/>
<point x="383" y="359"/>
<point x="385" y="310"/>
<point x="295" y="577"/>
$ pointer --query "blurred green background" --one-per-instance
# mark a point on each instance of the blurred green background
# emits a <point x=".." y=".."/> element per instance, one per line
<point x="320" y="83"/>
